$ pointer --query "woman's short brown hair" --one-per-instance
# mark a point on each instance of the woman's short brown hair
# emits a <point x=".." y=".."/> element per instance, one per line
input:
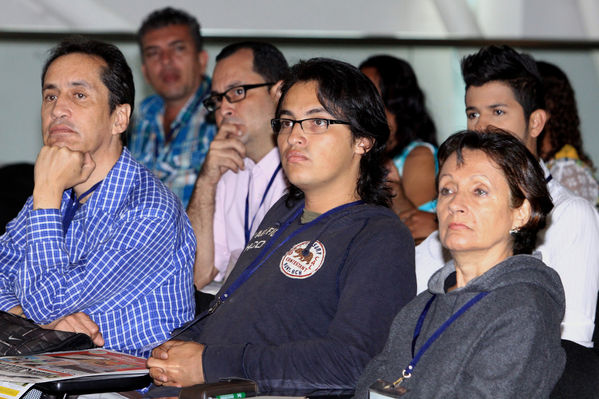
<point x="523" y="173"/>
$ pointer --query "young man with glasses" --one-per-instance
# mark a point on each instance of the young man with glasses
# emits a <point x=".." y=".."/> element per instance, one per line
<point x="173" y="130"/>
<point x="312" y="296"/>
<point x="241" y="177"/>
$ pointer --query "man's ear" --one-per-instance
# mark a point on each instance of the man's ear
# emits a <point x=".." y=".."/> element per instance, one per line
<point x="275" y="91"/>
<point x="536" y="122"/>
<point x="120" y="118"/>
<point x="203" y="60"/>
<point x="362" y="145"/>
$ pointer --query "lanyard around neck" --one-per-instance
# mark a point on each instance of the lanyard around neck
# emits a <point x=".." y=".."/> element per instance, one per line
<point x="74" y="204"/>
<point x="263" y="257"/>
<point x="407" y="372"/>
<point x="247" y="225"/>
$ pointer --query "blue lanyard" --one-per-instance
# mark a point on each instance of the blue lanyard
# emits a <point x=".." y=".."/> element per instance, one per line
<point x="247" y="225"/>
<point x="262" y="258"/>
<point x="407" y="372"/>
<point x="74" y="204"/>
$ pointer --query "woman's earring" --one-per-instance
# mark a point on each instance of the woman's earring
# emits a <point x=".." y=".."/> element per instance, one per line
<point x="514" y="231"/>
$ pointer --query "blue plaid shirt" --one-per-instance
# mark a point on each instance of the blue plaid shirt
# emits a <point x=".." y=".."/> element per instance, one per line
<point x="126" y="260"/>
<point x="177" y="162"/>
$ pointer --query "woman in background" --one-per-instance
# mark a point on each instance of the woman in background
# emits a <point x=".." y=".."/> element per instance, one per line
<point x="412" y="143"/>
<point x="560" y="143"/>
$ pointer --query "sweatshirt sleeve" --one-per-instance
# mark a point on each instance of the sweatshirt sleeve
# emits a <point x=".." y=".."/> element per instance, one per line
<point x="375" y="280"/>
<point x="518" y="357"/>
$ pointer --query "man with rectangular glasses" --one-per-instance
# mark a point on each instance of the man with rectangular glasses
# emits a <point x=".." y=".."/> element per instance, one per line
<point x="241" y="177"/>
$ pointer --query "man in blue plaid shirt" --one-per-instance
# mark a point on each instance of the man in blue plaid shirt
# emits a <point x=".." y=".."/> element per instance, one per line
<point x="172" y="134"/>
<point x="102" y="247"/>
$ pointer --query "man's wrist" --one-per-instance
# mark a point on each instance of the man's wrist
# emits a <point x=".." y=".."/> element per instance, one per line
<point x="208" y="177"/>
<point x="17" y="310"/>
<point x="46" y="198"/>
<point x="204" y="194"/>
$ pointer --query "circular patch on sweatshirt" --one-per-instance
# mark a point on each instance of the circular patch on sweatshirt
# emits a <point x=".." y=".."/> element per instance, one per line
<point x="300" y="264"/>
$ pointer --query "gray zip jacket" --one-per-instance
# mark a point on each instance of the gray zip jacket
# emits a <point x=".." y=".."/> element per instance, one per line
<point x="507" y="345"/>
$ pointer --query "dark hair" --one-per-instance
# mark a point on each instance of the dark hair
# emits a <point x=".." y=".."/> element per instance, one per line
<point x="563" y="126"/>
<point x="348" y="94"/>
<point x="116" y="75"/>
<point x="269" y="62"/>
<point x="171" y="16"/>
<point x="404" y="99"/>
<point x="522" y="171"/>
<point x="504" y="64"/>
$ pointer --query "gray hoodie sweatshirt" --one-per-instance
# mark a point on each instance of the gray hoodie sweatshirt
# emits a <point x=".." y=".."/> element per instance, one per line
<point x="507" y="345"/>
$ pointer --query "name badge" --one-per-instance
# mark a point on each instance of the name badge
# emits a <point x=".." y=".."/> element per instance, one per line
<point x="384" y="390"/>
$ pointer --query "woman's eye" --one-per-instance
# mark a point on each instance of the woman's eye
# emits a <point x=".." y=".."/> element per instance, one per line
<point x="444" y="191"/>
<point x="480" y="192"/>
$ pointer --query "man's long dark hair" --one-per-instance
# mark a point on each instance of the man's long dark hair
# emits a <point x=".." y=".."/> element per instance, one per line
<point x="347" y="94"/>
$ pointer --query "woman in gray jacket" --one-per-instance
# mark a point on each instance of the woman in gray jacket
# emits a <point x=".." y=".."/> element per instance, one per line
<point x="489" y="323"/>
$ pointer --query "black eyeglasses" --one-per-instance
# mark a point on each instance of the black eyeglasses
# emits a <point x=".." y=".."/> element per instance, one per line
<point x="312" y="125"/>
<point x="233" y="95"/>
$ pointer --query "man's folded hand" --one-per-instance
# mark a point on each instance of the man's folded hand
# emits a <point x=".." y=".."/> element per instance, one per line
<point x="78" y="322"/>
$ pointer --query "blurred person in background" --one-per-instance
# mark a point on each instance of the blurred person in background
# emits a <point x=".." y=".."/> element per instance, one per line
<point x="411" y="145"/>
<point x="173" y="131"/>
<point x="560" y="144"/>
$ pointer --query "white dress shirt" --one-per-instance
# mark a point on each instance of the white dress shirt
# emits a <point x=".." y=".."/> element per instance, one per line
<point x="229" y="211"/>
